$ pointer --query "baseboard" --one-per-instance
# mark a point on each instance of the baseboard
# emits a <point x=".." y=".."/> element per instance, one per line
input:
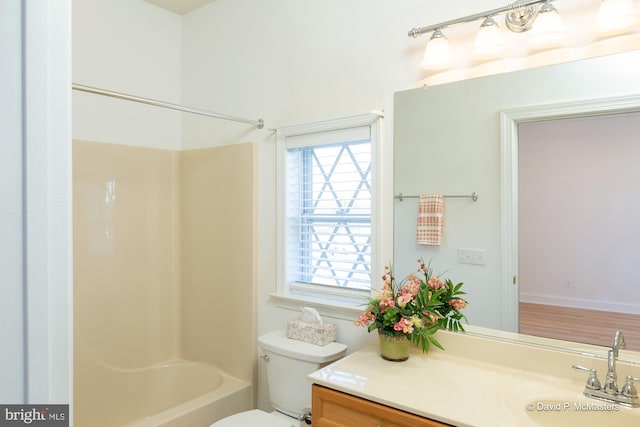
<point x="580" y="303"/>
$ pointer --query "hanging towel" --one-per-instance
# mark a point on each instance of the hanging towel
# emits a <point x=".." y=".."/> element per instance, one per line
<point x="430" y="219"/>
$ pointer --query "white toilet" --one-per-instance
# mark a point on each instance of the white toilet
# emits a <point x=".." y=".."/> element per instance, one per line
<point x="288" y="363"/>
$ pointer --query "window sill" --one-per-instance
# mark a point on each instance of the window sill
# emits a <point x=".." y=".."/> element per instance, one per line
<point x="326" y="307"/>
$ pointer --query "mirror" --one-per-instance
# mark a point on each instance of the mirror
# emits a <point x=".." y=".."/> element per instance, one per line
<point x="462" y="137"/>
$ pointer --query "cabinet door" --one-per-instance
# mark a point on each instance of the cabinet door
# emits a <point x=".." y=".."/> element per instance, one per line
<point x="332" y="408"/>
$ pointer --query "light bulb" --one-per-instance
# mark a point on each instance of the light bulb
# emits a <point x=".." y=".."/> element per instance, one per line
<point x="437" y="55"/>
<point x="548" y="29"/>
<point x="489" y="42"/>
<point x="615" y="17"/>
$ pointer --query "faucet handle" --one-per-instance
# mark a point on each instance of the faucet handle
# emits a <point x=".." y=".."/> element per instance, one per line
<point x="593" y="383"/>
<point x="618" y="342"/>
<point x="629" y="389"/>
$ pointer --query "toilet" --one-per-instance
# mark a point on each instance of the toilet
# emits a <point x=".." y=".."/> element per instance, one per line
<point x="287" y="362"/>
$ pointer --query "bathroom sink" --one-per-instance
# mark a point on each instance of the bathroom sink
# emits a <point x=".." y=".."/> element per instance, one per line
<point x="593" y="413"/>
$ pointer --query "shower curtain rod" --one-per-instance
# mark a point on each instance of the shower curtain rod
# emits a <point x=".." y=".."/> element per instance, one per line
<point x="258" y="123"/>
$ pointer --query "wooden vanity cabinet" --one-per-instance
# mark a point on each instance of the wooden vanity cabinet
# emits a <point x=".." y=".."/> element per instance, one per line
<point x="330" y="408"/>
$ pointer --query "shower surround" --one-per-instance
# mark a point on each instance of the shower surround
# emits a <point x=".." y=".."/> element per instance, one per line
<point x="163" y="276"/>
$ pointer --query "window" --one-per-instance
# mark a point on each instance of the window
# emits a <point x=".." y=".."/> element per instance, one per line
<point x="326" y="211"/>
<point x="329" y="214"/>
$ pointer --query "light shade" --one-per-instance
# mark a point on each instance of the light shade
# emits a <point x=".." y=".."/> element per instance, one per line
<point x="615" y="17"/>
<point x="489" y="42"/>
<point x="437" y="55"/>
<point x="548" y="30"/>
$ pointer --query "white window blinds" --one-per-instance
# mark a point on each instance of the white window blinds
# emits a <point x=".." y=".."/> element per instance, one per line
<point x="328" y="207"/>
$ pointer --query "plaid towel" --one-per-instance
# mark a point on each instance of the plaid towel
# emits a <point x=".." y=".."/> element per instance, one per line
<point x="430" y="219"/>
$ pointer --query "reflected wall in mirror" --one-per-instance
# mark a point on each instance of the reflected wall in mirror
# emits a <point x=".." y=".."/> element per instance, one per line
<point x="449" y="139"/>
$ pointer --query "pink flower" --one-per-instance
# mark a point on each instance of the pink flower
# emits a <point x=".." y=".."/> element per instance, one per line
<point x="434" y="283"/>
<point x="365" y="318"/>
<point x="430" y="315"/>
<point x="404" y="299"/>
<point x="423" y="267"/>
<point x="387" y="289"/>
<point x="405" y="325"/>
<point x="387" y="277"/>
<point x="386" y="301"/>
<point x="457" y="304"/>
<point x="412" y="286"/>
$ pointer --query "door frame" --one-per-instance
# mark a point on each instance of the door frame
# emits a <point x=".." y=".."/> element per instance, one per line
<point x="509" y="121"/>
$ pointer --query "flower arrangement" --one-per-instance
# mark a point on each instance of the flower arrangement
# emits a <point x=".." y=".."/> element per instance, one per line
<point x="417" y="307"/>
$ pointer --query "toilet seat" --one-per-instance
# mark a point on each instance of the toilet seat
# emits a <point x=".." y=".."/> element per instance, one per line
<point x="253" y="418"/>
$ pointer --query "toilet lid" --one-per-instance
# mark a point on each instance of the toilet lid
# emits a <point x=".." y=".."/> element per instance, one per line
<point x="253" y="418"/>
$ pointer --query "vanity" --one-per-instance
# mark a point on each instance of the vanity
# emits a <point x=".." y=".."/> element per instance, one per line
<point x="335" y="408"/>
<point x="476" y="381"/>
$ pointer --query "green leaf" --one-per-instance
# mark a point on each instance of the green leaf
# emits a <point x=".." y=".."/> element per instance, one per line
<point x="436" y="343"/>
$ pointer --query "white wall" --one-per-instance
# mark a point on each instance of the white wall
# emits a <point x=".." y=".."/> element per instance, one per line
<point x="133" y="47"/>
<point x="297" y="61"/>
<point x="291" y="62"/>
<point x="579" y="205"/>
<point x="12" y="328"/>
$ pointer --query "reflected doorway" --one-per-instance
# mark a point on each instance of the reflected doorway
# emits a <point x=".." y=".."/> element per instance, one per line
<point x="578" y="229"/>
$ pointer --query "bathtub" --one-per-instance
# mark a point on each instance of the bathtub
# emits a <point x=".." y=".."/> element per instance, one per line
<point x="172" y="394"/>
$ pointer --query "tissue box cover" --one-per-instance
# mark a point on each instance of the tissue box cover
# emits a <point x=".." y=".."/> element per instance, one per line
<point x="314" y="333"/>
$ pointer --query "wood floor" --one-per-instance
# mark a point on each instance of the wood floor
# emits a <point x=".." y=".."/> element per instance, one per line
<point x="574" y="324"/>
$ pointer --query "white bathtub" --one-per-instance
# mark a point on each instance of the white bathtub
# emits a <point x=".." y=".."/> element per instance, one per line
<point x="173" y="394"/>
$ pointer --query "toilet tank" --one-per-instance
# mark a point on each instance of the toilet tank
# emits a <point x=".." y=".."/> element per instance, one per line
<point x="288" y="362"/>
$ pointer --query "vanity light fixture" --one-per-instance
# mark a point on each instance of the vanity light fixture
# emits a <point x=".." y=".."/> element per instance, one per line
<point x="548" y="30"/>
<point x="437" y="55"/>
<point x="489" y="42"/>
<point x="539" y="16"/>
<point x="615" y="17"/>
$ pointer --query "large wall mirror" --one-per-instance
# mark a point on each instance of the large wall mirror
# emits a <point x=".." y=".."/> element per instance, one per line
<point x="552" y="233"/>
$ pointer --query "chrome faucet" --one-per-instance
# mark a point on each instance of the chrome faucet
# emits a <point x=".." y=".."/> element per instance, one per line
<point x="618" y="343"/>
<point x="611" y="383"/>
<point x="610" y="393"/>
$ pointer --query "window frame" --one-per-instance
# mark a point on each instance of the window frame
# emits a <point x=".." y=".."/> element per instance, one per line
<point x="290" y="292"/>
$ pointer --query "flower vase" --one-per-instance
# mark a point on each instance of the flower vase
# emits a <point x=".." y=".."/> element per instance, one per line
<point x="394" y="347"/>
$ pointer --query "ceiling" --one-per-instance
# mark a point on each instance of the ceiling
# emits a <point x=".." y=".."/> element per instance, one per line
<point x="180" y="6"/>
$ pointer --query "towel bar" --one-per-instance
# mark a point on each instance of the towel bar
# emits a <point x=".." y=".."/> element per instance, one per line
<point x="473" y="196"/>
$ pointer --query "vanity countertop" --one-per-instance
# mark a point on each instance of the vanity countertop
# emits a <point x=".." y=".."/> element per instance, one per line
<point x="476" y="382"/>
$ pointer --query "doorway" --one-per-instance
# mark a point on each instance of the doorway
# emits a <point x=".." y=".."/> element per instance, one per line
<point x="578" y="204"/>
<point x="511" y="121"/>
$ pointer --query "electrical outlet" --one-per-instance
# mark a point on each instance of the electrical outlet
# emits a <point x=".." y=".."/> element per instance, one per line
<point x="472" y="256"/>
